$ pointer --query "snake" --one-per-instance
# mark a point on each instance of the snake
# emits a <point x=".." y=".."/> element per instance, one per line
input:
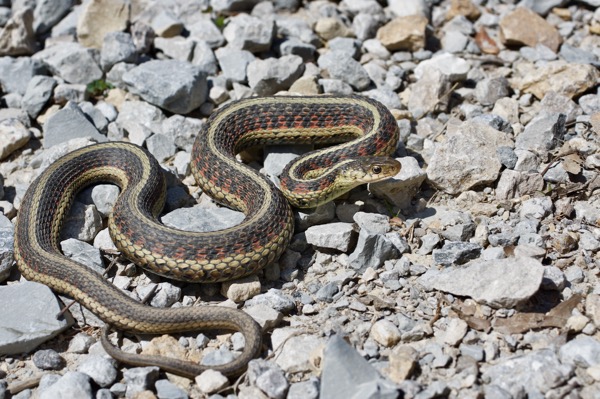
<point x="363" y="130"/>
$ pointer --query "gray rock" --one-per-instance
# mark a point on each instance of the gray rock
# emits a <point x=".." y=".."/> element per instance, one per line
<point x="296" y="349"/>
<point x="204" y="58"/>
<point x="211" y="381"/>
<point x="80" y="343"/>
<point x="372" y="250"/>
<point x="268" y="377"/>
<point x="165" y="24"/>
<point x="7" y="241"/>
<point x="322" y="214"/>
<point x="373" y="222"/>
<point x="234" y="63"/>
<point x="48" y="13"/>
<point x="577" y="55"/>
<point x="69" y="123"/>
<point x="339" y="236"/>
<point x="233" y="5"/>
<point x="267" y="77"/>
<point x="304" y="390"/>
<point x="335" y="86"/>
<point x="296" y="27"/>
<point x="13" y="135"/>
<point x="297" y="47"/>
<point x="583" y="351"/>
<point x="64" y="92"/>
<point x="39" y="91"/>
<point x="327" y="292"/>
<point x="275" y="299"/>
<point x="161" y="146"/>
<point x="83" y="253"/>
<point x="346" y="374"/>
<point x="139" y="379"/>
<point x="48" y="359"/>
<point x="514" y="375"/>
<point x="590" y="103"/>
<point x="468" y="158"/>
<point x="202" y="219"/>
<point x="542" y="134"/>
<point x="15" y="73"/>
<point x="71" y="385"/>
<point x="386" y="96"/>
<point x="542" y="7"/>
<point x="167" y="390"/>
<point x="217" y="357"/>
<point x="94" y="115"/>
<point x="205" y="29"/>
<point x="178" y="48"/>
<point x="500" y="283"/>
<point x="365" y="26"/>
<point x="36" y="320"/>
<point x="536" y="208"/>
<point x="452" y="66"/>
<point x="490" y="90"/>
<point x="83" y="222"/>
<point x="345" y="68"/>
<point x="456" y="253"/>
<point x="117" y="47"/>
<point x="507" y="156"/>
<point x="173" y="85"/>
<point x="165" y="295"/>
<point x="104" y="197"/>
<point x="266" y="317"/>
<point x="277" y="157"/>
<point x="71" y="62"/>
<point x="245" y="32"/>
<point x="100" y="369"/>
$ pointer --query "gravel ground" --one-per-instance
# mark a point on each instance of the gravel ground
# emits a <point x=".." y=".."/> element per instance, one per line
<point x="471" y="274"/>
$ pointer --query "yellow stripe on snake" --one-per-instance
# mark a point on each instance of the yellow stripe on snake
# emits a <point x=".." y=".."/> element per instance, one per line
<point x="366" y="129"/>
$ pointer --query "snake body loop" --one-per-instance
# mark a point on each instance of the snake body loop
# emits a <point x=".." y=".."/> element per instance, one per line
<point x="209" y="256"/>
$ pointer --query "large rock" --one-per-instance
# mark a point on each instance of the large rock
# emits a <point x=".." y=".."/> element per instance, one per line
<point x="404" y="33"/>
<point x="71" y="62"/>
<point x="69" y="123"/>
<point x="523" y="27"/>
<point x="28" y="315"/>
<point x="17" y="36"/>
<point x="100" y="17"/>
<point x="176" y="86"/>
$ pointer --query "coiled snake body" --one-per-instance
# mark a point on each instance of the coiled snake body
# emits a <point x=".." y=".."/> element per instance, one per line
<point x="209" y="256"/>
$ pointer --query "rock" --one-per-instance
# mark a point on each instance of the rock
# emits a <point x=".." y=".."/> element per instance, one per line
<point x="265" y="316"/>
<point x="339" y="236"/>
<point x="267" y="77"/>
<point x="567" y="79"/>
<point x="345" y="68"/>
<point x="117" y="47"/>
<point x="533" y="374"/>
<point x="139" y="379"/>
<point x="490" y="90"/>
<point x="245" y="32"/>
<point x="204" y="58"/>
<point x="16" y="73"/>
<point x="456" y="253"/>
<point x="100" y="17"/>
<point x="39" y="91"/>
<point x="71" y="385"/>
<point x="202" y="219"/>
<point x="234" y="63"/>
<point x="48" y="13"/>
<point x="36" y="320"/>
<point x="7" y="233"/>
<point x="399" y="190"/>
<point x="268" y="377"/>
<point x="205" y="29"/>
<point x="454" y="332"/>
<point x="452" y="66"/>
<point x="80" y="343"/>
<point x="161" y="147"/>
<point x="536" y="208"/>
<point x="513" y="184"/>
<point x="372" y="250"/>
<point x="542" y="134"/>
<point x="83" y="253"/>
<point x="330" y="27"/>
<point x="524" y="27"/>
<point x="211" y="381"/>
<point x="304" y="390"/>
<point x="240" y="290"/>
<point x="48" y="359"/>
<point x="177" y="47"/>
<point x="173" y="85"/>
<point x="100" y="369"/>
<point x="297" y="351"/>
<point x="427" y="95"/>
<point x="467" y="159"/>
<point x="71" y="62"/>
<point x="500" y="283"/>
<point x="275" y="299"/>
<point x="402" y="363"/>
<point x="67" y="124"/>
<point x="385" y="332"/>
<point x="13" y="135"/>
<point x="17" y="36"/>
<point x="166" y="25"/>
<point x="346" y="374"/>
<point x="404" y="33"/>
<point x="167" y="390"/>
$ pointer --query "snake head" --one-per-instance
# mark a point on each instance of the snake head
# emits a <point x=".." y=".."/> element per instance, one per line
<point x="368" y="170"/>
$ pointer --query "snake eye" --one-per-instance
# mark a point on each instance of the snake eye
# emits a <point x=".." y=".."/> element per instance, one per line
<point x="376" y="169"/>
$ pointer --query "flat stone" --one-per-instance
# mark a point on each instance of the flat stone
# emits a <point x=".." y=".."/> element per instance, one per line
<point x="84" y="253"/>
<point x="71" y="62"/>
<point x="347" y="374"/>
<point x="202" y="219"/>
<point x="13" y="135"/>
<point x="524" y="27"/>
<point x="342" y="66"/>
<point x="67" y="124"/>
<point x="468" y="158"/>
<point x="17" y="36"/>
<point x="100" y="17"/>
<point x="297" y="351"/>
<point x="173" y="85"/>
<point x="534" y="373"/>
<point x="267" y="77"/>
<point x="337" y="236"/>
<point x="168" y="390"/>
<point x="83" y="222"/>
<point x="403" y="33"/>
<point x="36" y="320"/>
<point x="567" y="79"/>
<point x="39" y="91"/>
<point x="456" y="253"/>
<point x="500" y="283"/>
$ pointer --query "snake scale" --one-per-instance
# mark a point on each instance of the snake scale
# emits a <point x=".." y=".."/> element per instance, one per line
<point x="365" y="133"/>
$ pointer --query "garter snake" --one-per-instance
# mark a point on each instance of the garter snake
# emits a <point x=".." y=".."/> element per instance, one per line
<point x="366" y="134"/>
